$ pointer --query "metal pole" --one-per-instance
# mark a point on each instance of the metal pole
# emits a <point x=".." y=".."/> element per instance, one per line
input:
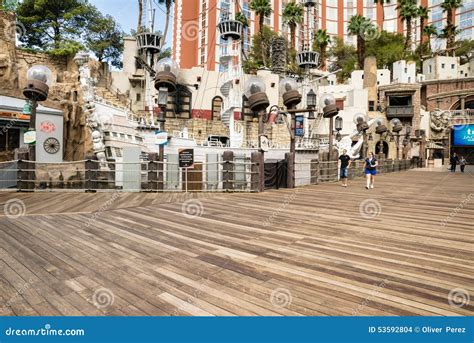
<point x="32" y="146"/>
<point x="331" y="128"/>
<point x="261" y="131"/>
<point x="291" y="161"/>
<point x="398" y="145"/>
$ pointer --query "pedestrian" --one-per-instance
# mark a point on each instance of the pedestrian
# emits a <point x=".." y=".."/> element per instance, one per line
<point x="370" y="170"/>
<point x="344" y="164"/>
<point x="462" y="163"/>
<point x="454" y="160"/>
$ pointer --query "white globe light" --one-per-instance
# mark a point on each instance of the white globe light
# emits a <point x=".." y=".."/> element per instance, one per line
<point x="360" y="118"/>
<point x="167" y="65"/>
<point x="254" y="85"/>
<point x="327" y="99"/>
<point x="40" y="73"/>
<point x="288" y="84"/>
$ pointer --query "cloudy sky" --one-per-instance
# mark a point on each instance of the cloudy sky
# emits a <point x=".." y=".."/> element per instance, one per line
<point x="125" y="12"/>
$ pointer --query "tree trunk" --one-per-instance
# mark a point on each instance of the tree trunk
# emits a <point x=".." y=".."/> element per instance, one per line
<point x="360" y="51"/>
<point x="140" y="15"/>
<point x="323" y="57"/>
<point x="261" y="18"/>
<point x="383" y="15"/>
<point x="408" y="38"/>
<point x="293" y="36"/>
<point x="450" y="32"/>
<point x="167" y="22"/>
<point x="57" y="36"/>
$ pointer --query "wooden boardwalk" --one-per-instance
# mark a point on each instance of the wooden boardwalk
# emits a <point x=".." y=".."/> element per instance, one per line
<point x="403" y="248"/>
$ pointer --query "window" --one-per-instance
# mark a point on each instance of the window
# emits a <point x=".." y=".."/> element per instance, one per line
<point x="216" y="108"/>
<point x="406" y="70"/>
<point x="371" y="105"/>
<point x="442" y="65"/>
<point x="431" y="69"/>
<point x="118" y="152"/>
<point x="139" y="97"/>
<point x="400" y="100"/>
<point x="452" y="66"/>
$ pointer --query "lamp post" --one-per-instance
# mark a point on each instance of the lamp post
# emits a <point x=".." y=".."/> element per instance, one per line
<point x="37" y="88"/>
<point x="406" y="140"/>
<point x="258" y="102"/>
<point x="291" y="98"/>
<point x="360" y="119"/>
<point x="396" y="128"/>
<point x="330" y="110"/>
<point x="165" y="82"/>
<point x="381" y="129"/>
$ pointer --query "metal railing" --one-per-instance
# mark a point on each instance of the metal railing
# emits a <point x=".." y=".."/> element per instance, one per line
<point x="313" y="172"/>
<point x="238" y="175"/>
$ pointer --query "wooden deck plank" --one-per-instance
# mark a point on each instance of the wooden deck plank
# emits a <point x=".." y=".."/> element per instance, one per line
<point x="313" y="243"/>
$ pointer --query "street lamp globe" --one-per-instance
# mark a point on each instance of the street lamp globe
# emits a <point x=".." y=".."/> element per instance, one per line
<point x="38" y="81"/>
<point x="360" y="119"/>
<point x="166" y="71"/>
<point x="289" y="91"/>
<point x="396" y="125"/>
<point x="380" y="127"/>
<point x="254" y="91"/>
<point x="328" y="104"/>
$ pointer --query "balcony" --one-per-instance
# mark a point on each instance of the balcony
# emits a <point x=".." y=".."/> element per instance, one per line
<point x="400" y="111"/>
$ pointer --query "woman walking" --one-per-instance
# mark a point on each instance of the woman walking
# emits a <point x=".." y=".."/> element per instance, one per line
<point x="370" y="170"/>
<point x="462" y="163"/>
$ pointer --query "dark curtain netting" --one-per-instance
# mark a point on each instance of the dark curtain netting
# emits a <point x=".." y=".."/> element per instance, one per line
<point x="276" y="172"/>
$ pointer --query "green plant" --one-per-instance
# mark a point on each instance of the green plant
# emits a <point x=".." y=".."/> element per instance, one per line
<point x="320" y="44"/>
<point x="293" y="16"/>
<point x="359" y="26"/>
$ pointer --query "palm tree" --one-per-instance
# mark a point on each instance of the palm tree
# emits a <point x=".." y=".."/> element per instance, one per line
<point x="407" y="12"/>
<point x="262" y="8"/>
<point x="423" y="14"/>
<point x="430" y="31"/>
<point x="168" y="4"/>
<point x="321" y="41"/>
<point x="140" y="16"/>
<point x="292" y="16"/>
<point x="382" y="2"/>
<point x="450" y="6"/>
<point x="358" y="26"/>
<point x="240" y="17"/>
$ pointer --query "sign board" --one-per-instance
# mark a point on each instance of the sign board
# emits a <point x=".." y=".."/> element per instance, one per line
<point x="29" y="137"/>
<point x="161" y="137"/>
<point x="463" y="135"/>
<point x="186" y="158"/>
<point x="299" y="126"/>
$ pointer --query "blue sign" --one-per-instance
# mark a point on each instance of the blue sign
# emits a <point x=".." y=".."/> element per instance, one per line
<point x="463" y="135"/>
<point x="299" y="126"/>
<point x="237" y="329"/>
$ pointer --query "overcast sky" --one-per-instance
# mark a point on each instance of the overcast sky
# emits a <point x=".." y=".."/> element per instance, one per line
<point x="125" y="13"/>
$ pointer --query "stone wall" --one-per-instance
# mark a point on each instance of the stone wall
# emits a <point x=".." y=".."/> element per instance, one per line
<point x="64" y="93"/>
<point x="452" y="90"/>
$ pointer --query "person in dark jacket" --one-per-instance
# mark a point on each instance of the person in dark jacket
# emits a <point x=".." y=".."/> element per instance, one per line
<point x="454" y="160"/>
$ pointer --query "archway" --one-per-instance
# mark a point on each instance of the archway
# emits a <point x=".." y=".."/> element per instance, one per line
<point x="468" y="104"/>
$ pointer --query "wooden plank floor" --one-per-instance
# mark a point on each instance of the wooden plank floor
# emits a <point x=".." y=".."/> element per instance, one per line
<point x="403" y="248"/>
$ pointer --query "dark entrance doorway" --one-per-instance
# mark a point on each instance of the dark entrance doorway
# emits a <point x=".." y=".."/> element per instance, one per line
<point x="384" y="149"/>
<point x="276" y="172"/>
